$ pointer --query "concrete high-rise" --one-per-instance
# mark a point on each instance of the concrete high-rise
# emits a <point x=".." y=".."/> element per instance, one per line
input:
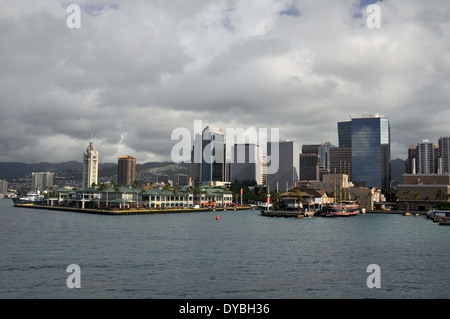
<point x="247" y="163"/>
<point x="425" y="161"/>
<point x="288" y="168"/>
<point x="371" y="150"/>
<point x="90" y="167"/>
<point x="126" y="174"/>
<point x="341" y="160"/>
<point x="411" y="161"/>
<point x="3" y="187"/>
<point x="41" y="180"/>
<point x="309" y="167"/>
<point x="323" y="150"/>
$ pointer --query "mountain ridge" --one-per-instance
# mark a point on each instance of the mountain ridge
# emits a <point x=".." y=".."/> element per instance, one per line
<point x="19" y="169"/>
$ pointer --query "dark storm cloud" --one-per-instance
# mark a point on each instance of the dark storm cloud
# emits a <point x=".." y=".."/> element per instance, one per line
<point x="137" y="70"/>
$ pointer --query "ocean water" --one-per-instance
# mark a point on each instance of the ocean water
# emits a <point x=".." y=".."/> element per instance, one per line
<point x="241" y="255"/>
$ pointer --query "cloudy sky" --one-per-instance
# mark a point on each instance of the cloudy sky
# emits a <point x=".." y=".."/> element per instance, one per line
<point x="136" y="70"/>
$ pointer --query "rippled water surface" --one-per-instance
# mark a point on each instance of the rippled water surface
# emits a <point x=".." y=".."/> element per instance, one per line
<point x="241" y="255"/>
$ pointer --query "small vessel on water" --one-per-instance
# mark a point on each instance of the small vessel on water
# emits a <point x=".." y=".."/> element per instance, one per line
<point x="343" y="208"/>
<point x="31" y="198"/>
<point x="437" y="214"/>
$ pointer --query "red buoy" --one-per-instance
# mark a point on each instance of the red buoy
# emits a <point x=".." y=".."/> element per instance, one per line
<point x="217" y="217"/>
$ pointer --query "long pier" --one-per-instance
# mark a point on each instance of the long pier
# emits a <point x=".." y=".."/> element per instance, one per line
<point x="121" y="212"/>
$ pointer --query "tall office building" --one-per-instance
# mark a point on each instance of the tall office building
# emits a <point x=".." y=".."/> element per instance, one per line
<point x="180" y="180"/>
<point x="345" y="133"/>
<point x="425" y="157"/>
<point x="288" y="168"/>
<point x="341" y="161"/>
<point x="126" y="174"/>
<point x="208" y="164"/>
<point x="41" y="180"/>
<point x="90" y="167"/>
<point x="309" y="167"/>
<point x="411" y="161"/>
<point x="444" y="155"/>
<point x="323" y="150"/>
<point x="3" y="187"/>
<point x="247" y="163"/>
<point x="371" y="150"/>
<point x="213" y="166"/>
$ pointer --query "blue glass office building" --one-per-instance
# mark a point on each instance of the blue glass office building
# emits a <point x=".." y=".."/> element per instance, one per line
<point x="371" y="151"/>
<point x="213" y="164"/>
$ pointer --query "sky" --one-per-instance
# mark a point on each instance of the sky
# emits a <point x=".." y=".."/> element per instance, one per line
<point x="134" y="71"/>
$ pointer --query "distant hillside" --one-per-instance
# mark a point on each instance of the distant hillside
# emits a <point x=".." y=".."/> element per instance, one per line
<point x="106" y="170"/>
<point x="13" y="169"/>
<point x="146" y="170"/>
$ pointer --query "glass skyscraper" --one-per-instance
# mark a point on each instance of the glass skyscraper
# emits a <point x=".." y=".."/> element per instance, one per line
<point x="345" y="133"/>
<point x="371" y="151"/>
<point x="213" y="155"/>
<point x="208" y="157"/>
<point x="444" y="155"/>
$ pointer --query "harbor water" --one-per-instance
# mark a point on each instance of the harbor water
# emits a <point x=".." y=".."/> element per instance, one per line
<point x="239" y="255"/>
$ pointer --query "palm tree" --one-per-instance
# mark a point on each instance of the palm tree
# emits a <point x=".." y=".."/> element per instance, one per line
<point x="276" y="196"/>
<point x="440" y="195"/>
<point x="299" y="197"/>
<point x="407" y="193"/>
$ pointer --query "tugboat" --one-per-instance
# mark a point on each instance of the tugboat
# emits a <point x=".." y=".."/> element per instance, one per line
<point x="31" y="198"/>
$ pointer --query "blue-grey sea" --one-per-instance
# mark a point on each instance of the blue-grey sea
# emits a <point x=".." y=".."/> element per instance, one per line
<point x="241" y="255"/>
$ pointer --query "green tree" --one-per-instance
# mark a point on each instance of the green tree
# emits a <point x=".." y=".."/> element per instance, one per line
<point x="407" y="193"/>
<point x="299" y="197"/>
<point x="275" y="196"/>
<point x="135" y="184"/>
<point x="441" y="195"/>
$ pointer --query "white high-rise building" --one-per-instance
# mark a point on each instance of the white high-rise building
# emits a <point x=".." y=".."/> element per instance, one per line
<point x="425" y="157"/>
<point x="41" y="180"/>
<point x="3" y="187"/>
<point x="90" y="166"/>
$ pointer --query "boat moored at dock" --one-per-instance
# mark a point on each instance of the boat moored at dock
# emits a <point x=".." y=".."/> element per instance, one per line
<point x="339" y="209"/>
<point x="31" y="198"/>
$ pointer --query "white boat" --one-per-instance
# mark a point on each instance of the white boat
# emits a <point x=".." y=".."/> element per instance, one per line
<point x="31" y="198"/>
<point x="435" y="214"/>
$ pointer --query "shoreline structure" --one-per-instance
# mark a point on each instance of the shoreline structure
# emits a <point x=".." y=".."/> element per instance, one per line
<point x="132" y="211"/>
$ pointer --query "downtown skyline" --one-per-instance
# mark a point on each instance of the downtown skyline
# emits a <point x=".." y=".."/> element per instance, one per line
<point x="298" y="66"/>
